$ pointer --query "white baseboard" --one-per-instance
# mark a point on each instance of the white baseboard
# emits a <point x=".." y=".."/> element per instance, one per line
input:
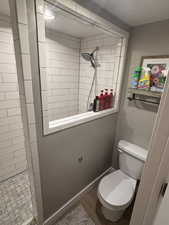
<point x="52" y="219"/>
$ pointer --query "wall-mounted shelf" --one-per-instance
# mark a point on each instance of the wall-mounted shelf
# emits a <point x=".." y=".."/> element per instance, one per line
<point x="144" y="96"/>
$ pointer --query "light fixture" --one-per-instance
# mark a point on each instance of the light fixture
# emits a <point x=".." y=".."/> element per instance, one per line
<point x="48" y="15"/>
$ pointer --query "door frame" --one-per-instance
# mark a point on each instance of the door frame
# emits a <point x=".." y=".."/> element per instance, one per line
<point x="156" y="168"/>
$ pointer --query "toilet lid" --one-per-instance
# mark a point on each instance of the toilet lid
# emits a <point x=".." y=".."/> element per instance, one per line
<point x="117" y="188"/>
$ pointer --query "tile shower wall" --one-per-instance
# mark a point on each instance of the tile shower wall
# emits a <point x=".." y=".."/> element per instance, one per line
<point x="62" y="74"/>
<point x="12" y="151"/>
<point x="69" y="76"/>
<point x="108" y="60"/>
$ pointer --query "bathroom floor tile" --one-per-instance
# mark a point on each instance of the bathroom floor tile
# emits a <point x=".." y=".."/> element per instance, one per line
<point x="15" y="200"/>
<point x="92" y="206"/>
<point x="88" y="212"/>
<point x="77" y="216"/>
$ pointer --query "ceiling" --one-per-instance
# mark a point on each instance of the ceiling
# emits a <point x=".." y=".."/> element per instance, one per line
<point x="4" y="8"/>
<point x="135" y="12"/>
<point x="131" y="12"/>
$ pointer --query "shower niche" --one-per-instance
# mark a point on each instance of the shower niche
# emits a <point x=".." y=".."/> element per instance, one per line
<point x="79" y="58"/>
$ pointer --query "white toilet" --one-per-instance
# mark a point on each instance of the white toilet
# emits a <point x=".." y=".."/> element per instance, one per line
<point x="116" y="190"/>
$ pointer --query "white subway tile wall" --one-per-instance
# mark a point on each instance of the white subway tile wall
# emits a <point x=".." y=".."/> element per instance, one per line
<point x="62" y="74"/>
<point x="12" y="149"/>
<point x="107" y="71"/>
<point x="69" y="76"/>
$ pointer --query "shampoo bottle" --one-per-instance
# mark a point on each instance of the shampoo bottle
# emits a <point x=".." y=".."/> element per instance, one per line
<point x="96" y="104"/>
<point x="106" y="99"/>
<point x="111" y="98"/>
<point x="101" y="101"/>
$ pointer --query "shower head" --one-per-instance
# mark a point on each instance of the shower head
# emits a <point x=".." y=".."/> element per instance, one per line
<point x="86" y="56"/>
<point x="96" y="49"/>
<point x="90" y="57"/>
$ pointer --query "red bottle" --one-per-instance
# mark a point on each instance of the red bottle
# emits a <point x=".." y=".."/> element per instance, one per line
<point x="101" y="101"/>
<point x="106" y="99"/>
<point x="111" y="98"/>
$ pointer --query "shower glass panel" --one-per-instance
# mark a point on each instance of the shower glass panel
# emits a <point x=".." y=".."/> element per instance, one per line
<point x="81" y="61"/>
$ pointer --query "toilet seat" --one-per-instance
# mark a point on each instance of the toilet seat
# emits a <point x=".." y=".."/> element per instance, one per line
<point x="116" y="190"/>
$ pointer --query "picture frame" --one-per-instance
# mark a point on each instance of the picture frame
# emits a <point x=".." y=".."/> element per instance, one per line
<point x="157" y="67"/>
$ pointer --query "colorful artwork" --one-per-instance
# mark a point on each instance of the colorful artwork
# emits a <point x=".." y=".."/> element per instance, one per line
<point x="155" y="70"/>
<point x="157" y="76"/>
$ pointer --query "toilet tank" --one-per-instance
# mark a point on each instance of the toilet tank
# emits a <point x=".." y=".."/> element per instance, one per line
<point x="131" y="159"/>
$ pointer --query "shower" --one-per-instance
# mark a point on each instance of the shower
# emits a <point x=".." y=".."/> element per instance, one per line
<point x="91" y="57"/>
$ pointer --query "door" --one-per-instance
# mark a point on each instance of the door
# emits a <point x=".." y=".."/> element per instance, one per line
<point x="156" y="168"/>
<point x="162" y="216"/>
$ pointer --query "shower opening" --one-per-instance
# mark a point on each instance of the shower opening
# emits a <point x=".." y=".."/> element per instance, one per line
<point x="80" y="65"/>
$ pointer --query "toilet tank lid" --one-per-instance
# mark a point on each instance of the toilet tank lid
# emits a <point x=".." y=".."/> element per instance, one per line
<point x="132" y="149"/>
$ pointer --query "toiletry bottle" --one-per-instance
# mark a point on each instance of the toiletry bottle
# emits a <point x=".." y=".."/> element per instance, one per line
<point x="111" y="98"/>
<point x="135" y="77"/>
<point x="106" y="99"/>
<point x="101" y="101"/>
<point x="114" y="97"/>
<point x="96" y="104"/>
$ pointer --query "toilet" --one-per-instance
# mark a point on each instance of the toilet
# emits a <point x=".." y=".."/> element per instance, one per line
<point x="116" y="190"/>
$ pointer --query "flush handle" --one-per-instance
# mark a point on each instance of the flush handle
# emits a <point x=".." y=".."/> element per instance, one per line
<point x="163" y="189"/>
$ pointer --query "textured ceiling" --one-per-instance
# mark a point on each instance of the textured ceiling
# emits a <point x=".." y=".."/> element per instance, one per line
<point x="131" y="12"/>
<point x="135" y="12"/>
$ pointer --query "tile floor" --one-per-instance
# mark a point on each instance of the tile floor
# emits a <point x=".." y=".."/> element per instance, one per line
<point x="16" y="207"/>
<point x="77" y="216"/>
<point x="92" y="206"/>
<point x="88" y="212"/>
<point x="15" y="200"/>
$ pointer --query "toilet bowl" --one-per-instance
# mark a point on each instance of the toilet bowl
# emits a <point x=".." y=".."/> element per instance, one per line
<point x="116" y="190"/>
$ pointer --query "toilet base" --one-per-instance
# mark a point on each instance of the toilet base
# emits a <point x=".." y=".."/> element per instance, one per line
<point x="112" y="215"/>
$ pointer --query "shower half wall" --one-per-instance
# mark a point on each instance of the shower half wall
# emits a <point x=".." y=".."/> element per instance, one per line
<point x="69" y="76"/>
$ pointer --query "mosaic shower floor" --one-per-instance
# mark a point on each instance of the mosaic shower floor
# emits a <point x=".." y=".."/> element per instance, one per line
<point x="15" y="200"/>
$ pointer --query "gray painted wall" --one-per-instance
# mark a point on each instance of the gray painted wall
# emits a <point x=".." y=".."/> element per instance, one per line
<point x="136" y="120"/>
<point x="62" y="175"/>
